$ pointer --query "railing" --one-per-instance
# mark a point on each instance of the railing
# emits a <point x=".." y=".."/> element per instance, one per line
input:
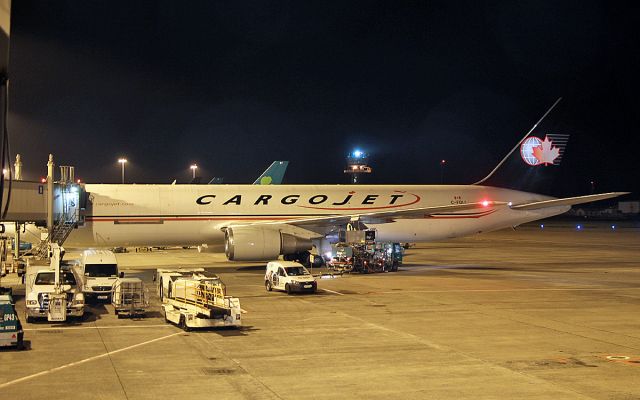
<point x="203" y="294"/>
<point x="62" y="227"/>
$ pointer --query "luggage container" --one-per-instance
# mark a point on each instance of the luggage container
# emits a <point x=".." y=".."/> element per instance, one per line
<point x="130" y="297"/>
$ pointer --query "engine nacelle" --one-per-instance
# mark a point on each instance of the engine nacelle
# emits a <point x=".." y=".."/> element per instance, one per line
<point x="261" y="244"/>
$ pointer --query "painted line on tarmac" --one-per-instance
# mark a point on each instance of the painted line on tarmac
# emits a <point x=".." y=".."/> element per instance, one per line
<point x="331" y="291"/>
<point x="509" y="290"/>
<point x="71" y="328"/>
<point x="41" y="373"/>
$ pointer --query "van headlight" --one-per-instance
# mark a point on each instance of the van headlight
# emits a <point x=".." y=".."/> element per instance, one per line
<point x="78" y="301"/>
<point x="32" y="302"/>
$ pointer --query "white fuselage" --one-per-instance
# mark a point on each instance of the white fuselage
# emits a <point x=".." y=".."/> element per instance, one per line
<point x="166" y="215"/>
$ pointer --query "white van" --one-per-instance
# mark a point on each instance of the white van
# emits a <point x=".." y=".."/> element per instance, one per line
<point x="99" y="270"/>
<point x="289" y="276"/>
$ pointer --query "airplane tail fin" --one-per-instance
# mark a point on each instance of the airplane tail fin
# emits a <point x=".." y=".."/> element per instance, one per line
<point x="274" y="174"/>
<point x="531" y="165"/>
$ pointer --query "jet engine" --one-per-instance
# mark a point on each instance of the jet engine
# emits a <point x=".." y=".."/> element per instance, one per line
<point x="261" y="244"/>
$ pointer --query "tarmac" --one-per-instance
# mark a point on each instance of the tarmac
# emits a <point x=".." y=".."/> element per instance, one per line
<point x="535" y="313"/>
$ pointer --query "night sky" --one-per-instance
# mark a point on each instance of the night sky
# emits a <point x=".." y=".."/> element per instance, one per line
<point x="234" y="85"/>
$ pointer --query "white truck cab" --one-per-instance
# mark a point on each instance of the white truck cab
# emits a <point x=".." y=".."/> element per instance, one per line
<point x="289" y="276"/>
<point x="99" y="269"/>
<point x="40" y="285"/>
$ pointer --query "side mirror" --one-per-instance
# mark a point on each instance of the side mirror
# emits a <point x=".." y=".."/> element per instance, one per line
<point x="121" y="275"/>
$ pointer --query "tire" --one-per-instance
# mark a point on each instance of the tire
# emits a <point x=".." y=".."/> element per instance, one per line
<point x="28" y="318"/>
<point x="304" y="258"/>
<point x="165" y="316"/>
<point x="268" y="286"/>
<point x="183" y="324"/>
<point x="287" y="288"/>
<point x="319" y="262"/>
<point x="20" y="345"/>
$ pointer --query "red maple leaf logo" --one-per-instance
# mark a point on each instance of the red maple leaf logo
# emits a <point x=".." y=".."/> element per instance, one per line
<point x="546" y="152"/>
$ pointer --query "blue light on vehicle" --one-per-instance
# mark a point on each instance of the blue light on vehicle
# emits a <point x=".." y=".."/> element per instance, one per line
<point x="541" y="226"/>
<point x="357" y="153"/>
<point x="578" y="227"/>
<point x="613" y="227"/>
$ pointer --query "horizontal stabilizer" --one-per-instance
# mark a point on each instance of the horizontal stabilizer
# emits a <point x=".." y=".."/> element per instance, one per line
<point x="569" y="201"/>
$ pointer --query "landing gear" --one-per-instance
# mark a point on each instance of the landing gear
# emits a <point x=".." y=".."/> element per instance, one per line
<point x="301" y="257"/>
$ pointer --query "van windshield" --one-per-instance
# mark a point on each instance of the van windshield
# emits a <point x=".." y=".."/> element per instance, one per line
<point x="100" y="270"/>
<point x="294" y="271"/>
<point x="49" y="278"/>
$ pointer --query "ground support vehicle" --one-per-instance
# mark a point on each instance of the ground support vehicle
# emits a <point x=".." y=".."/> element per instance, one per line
<point x="53" y="291"/>
<point x="367" y="257"/>
<point x="99" y="271"/>
<point x="130" y="297"/>
<point x="192" y="298"/>
<point x="11" y="333"/>
<point x="289" y="276"/>
<point x="340" y="264"/>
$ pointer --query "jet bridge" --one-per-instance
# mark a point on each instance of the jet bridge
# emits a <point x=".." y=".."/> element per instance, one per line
<point x="54" y="204"/>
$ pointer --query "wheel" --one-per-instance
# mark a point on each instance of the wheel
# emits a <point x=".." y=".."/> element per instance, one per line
<point x="183" y="324"/>
<point x="318" y="262"/>
<point x="287" y="288"/>
<point x="28" y="318"/>
<point x="304" y="258"/>
<point x="268" y="286"/>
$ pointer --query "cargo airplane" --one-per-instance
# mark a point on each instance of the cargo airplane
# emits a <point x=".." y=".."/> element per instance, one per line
<point x="257" y="223"/>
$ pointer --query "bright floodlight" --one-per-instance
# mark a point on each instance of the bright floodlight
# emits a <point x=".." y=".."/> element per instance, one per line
<point x="357" y="153"/>
<point x="194" y="167"/>
<point x="122" y="162"/>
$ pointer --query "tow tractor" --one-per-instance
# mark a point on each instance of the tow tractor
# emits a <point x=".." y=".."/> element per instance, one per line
<point x="11" y="333"/>
<point x="194" y="298"/>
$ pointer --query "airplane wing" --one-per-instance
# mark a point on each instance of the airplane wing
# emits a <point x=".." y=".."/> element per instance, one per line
<point x="568" y="201"/>
<point x="330" y="223"/>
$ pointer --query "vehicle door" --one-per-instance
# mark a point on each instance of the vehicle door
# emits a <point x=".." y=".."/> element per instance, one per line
<point x="282" y="278"/>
